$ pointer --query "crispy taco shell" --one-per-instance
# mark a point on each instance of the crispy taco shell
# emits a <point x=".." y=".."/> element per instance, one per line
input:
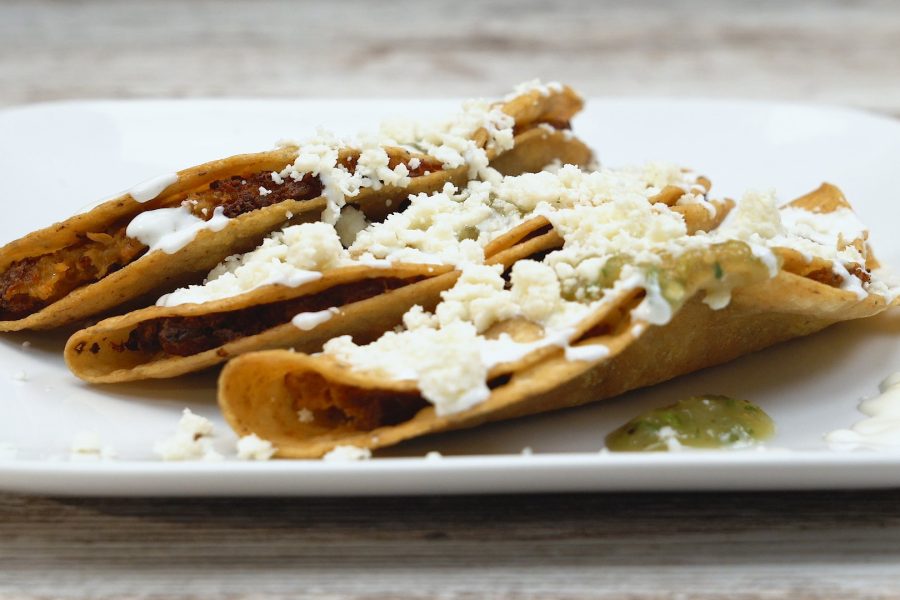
<point x="87" y="265"/>
<point x="262" y="392"/>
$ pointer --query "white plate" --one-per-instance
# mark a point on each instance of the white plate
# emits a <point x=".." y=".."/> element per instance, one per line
<point x="57" y="158"/>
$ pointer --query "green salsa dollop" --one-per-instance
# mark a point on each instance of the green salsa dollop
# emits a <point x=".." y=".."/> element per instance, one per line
<point x="706" y="421"/>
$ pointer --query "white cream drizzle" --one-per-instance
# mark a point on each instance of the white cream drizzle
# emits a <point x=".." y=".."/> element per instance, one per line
<point x="505" y="350"/>
<point x="171" y="229"/>
<point x="587" y="352"/>
<point x="881" y="431"/>
<point x="150" y="189"/>
<point x="308" y="321"/>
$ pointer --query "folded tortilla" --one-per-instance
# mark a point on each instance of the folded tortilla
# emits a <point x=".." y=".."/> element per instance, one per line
<point x="612" y="351"/>
<point x="89" y="263"/>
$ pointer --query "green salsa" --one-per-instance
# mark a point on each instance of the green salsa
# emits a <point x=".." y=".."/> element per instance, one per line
<point x="698" y="422"/>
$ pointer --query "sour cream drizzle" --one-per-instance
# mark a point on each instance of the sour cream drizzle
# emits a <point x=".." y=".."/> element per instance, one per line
<point x="881" y="431"/>
<point x="310" y="320"/>
<point x="587" y="352"/>
<point x="171" y="229"/>
<point x="150" y="189"/>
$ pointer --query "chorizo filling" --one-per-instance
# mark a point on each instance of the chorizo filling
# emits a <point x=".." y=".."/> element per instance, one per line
<point x="335" y="405"/>
<point x="186" y="336"/>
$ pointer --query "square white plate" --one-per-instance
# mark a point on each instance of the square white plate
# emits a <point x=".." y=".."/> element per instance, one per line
<point x="57" y="158"/>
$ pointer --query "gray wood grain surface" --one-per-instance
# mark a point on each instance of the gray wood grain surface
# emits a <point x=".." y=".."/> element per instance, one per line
<point x="804" y="545"/>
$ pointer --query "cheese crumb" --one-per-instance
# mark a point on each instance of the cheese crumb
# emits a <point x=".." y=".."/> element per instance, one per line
<point x="191" y="441"/>
<point x="434" y="455"/>
<point x="304" y="415"/>
<point x="352" y="222"/>
<point x="478" y="297"/>
<point x="87" y="446"/>
<point x="20" y="375"/>
<point x="347" y="453"/>
<point x="253" y="447"/>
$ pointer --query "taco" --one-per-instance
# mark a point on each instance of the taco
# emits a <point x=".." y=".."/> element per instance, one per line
<point x="172" y="230"/>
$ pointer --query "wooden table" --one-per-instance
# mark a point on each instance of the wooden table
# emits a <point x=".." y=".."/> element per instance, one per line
<point x="810" y="545"/>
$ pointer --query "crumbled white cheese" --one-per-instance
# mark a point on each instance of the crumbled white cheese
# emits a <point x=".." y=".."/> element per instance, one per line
<point x="253" y="447"/>
<point x="700" y="200"/>
<point x="478" y="297"/>
<point x="304" y="415"/>
<point x="347" y="453"/>
<point x="86" y="445"/>
<point x="534" y="85"/>
<point x="293" y="256"/>
<point x="433" y="455"/>
<point x="449" y="227"/>
<point x="191" y="441"/>
<point x="450" y="142"/>
<point x="263" y="191"/>
<point x="445" y="362"/>
<point x="535" y="290"/>
<point x="20" y="375"/>
<point x="352" y="221"/>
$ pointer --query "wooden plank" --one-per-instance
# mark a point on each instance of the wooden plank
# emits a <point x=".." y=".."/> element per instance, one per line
<point x="838" y="544"/>
<point x="836" y="52"/>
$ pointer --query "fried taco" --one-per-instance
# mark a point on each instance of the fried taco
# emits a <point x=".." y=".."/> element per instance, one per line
<point x="172" y="230"/>
<point x="634" y="294"/>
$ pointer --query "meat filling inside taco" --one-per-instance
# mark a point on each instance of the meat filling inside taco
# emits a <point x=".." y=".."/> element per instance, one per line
<point x="189" y="335"/>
